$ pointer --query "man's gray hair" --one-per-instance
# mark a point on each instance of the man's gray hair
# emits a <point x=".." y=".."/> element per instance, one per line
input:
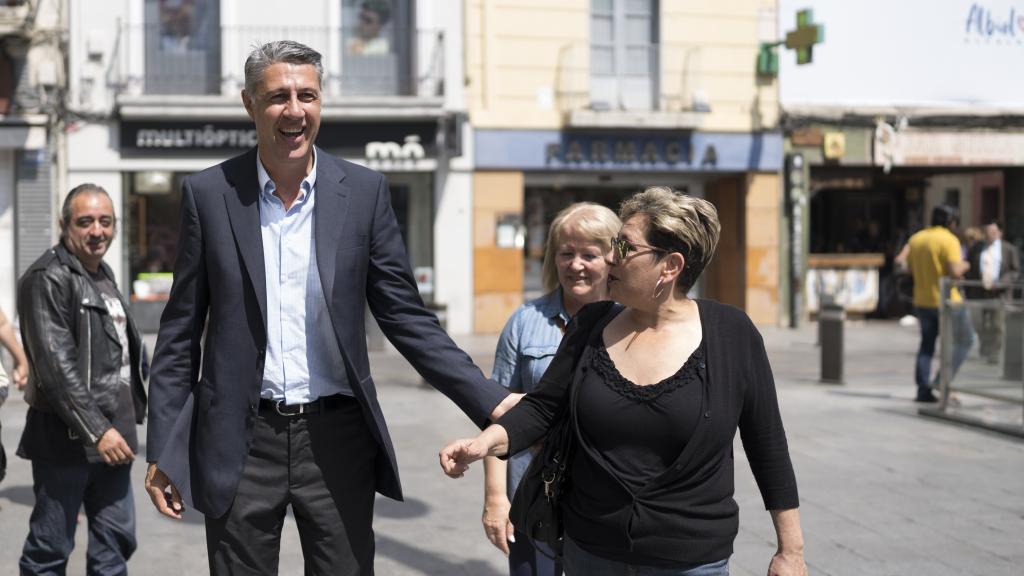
<point x="288" y="51"/>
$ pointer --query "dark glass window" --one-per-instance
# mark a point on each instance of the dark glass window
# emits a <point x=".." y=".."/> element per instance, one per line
<point x="378" y="47"/>
<point x="182" y="44"/>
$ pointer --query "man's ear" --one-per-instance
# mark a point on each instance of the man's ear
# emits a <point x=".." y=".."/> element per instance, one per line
<point x="248" y="103"/>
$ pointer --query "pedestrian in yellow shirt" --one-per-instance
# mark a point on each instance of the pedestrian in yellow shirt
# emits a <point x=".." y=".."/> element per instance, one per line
<point x="934" y="253"/>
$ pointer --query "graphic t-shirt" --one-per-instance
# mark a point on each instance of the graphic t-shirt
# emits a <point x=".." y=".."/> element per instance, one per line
<point x="112" y="300"/>
<point x="124" y="419"/>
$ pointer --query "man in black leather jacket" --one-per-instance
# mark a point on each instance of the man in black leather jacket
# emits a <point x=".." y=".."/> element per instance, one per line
<point x="85" y="394"/>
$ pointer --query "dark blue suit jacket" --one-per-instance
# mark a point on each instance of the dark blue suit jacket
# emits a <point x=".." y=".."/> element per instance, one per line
<point x="204" y="395"/>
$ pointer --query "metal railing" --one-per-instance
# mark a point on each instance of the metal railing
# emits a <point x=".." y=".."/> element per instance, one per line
<point x="981" y="356"/>
<point x="586" y="78"/>
<point x="608" y="77"/>
<point x="151" y="60"/>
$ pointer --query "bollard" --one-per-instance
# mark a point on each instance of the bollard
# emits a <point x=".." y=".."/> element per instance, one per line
<point x="831" y="317"/>
<point x="1013" y="343"/>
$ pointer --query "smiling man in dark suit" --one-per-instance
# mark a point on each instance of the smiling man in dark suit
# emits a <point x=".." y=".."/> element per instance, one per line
<point x="261" y="395"/>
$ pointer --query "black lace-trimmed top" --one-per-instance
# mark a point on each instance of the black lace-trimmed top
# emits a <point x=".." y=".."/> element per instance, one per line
<point x="687" y="515"/>
<point x="691" y="371"/>
<point x="640" y="431"/>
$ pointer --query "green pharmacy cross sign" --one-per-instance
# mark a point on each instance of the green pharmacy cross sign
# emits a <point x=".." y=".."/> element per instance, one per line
<point x="806" y="35"/>
<point x="803" y="39"/>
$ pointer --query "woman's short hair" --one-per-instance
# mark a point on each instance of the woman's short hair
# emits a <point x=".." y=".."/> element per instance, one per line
<point x="591" y="221"/>
<point x="677" y="223"/>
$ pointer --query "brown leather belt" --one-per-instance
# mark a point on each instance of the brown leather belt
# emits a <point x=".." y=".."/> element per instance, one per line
<point x="322" y="404"/>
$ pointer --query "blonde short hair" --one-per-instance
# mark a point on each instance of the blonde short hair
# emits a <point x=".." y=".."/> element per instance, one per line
<point x="974" y="234"/>
<point x="592" y="221"/>
<point x="677" y="223"/>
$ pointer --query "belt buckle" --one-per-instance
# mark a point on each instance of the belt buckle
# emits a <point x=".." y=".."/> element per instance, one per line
<point x="280" y="403"/>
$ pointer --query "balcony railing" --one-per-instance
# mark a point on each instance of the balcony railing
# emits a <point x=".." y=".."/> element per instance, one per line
<point x="602" y="85"/>
<point x="150" y="61"/>
<point x="13" y="16"/>
<point x="624" y="77"/>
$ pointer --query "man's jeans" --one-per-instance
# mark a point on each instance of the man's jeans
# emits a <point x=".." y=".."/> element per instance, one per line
<point x="60" y="490"/>
<point x="963" y="338"/>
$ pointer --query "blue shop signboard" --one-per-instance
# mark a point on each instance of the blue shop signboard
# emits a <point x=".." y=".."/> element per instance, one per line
<point x="542" y="150"/>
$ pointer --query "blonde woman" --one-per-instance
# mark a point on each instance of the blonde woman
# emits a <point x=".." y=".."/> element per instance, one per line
<point x="661" y="386"/>
<point x="575" y="273"/>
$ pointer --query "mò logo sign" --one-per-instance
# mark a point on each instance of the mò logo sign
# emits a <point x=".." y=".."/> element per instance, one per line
<point x="985" y="24"/>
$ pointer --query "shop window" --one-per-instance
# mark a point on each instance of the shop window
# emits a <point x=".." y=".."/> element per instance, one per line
<point x="151" y="233"/>
<point x="182" y="46"/>
<point x="6" y="83"/>
<point x="953" y="197"/>
<point x="990" y="204"/>
<point x="378" y="41"/>
<point x="624" y="61"/>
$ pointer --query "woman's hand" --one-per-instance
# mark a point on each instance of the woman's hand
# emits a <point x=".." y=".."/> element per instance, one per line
<point x="457" y="456"/>
<point x="787" y="564"/>
<point x="20" y="375"/>
<point x="789" y="556"/>
<point x="497" y="526"/>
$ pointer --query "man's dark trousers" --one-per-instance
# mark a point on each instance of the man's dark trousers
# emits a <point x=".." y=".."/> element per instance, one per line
<point x="320" y="464"/>
<point x="60" y="490"/>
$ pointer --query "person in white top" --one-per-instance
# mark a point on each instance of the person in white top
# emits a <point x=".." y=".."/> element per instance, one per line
<point x="996" y="263"/>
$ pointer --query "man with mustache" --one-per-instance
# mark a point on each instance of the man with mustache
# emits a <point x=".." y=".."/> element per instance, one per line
<point x="85" y="394"/>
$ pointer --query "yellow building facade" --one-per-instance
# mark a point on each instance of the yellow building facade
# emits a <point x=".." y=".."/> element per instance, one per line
<point x="573" y="100"/>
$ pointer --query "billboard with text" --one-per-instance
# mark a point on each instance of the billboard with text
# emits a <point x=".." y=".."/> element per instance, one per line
<point x="961" y="54"/>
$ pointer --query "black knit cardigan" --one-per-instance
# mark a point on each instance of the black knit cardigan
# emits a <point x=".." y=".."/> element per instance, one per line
<point x="687" y="514"/>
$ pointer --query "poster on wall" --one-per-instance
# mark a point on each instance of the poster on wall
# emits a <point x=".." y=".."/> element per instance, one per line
<point x="912" y="53"/>
<point x="855" y="289"/>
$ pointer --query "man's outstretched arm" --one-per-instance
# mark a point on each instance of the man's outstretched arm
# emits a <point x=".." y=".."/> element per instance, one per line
<point x="396" y="304"/>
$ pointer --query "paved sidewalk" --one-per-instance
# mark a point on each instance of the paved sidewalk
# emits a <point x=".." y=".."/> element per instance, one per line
<point x="883" y="490"/>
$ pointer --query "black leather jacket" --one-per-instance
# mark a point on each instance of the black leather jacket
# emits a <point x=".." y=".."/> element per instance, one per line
<point x="73" y="349"/>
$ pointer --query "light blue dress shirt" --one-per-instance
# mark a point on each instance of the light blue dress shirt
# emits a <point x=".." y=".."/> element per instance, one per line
<point x="525" y="349"/>
<point x="303" y="360"/>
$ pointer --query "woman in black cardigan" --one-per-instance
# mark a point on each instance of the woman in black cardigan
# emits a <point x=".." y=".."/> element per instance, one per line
<point x="651" y="483"/>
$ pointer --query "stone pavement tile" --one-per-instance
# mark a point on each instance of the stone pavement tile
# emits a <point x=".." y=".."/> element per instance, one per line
<point x="437" y="529"/>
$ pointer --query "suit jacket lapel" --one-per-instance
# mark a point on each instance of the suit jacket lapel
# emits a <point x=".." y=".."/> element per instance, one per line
<point x="329" y="211"/>
<point x="243" y="207"/>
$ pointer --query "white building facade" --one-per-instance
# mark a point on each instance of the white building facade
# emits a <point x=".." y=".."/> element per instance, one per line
<point x="31" y="93"/>
<point x="155" y="95"/>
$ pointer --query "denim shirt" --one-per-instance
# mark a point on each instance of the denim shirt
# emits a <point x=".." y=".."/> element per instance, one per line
<point x="525" y="349"/>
